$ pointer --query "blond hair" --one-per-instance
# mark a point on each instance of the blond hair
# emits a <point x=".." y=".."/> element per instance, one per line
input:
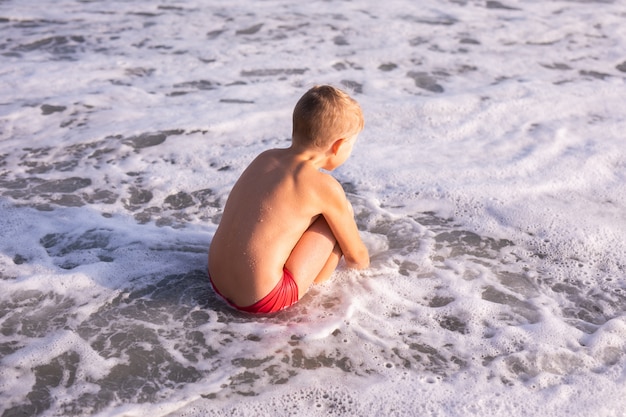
<point x="323" y="114"/>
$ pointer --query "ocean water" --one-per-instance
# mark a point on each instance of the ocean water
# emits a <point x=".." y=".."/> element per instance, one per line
<point x="488" y="184"/>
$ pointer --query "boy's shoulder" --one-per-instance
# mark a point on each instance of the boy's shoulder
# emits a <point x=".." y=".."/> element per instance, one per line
<point x="324" y="185"/>
<point x="264" y="161"/>
<point x="305" y="173"/>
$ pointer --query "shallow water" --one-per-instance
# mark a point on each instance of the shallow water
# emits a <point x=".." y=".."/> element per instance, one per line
<point x="488" y="185"/>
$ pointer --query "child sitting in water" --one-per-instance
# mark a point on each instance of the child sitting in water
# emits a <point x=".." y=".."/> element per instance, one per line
<point x="286" y="224"/>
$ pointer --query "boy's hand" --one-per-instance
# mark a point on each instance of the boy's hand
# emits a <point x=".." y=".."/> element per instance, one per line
<point x="363" y="264"/>
<point x="362" y="259"/>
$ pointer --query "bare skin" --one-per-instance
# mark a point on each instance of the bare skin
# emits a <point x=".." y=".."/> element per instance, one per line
<point x="284" y="212"/>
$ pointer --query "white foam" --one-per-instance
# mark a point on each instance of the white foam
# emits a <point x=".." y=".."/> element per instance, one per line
<point x="494" y="209"/>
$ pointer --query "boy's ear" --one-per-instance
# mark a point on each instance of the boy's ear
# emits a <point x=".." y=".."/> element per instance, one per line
<point x="336" y="146"/>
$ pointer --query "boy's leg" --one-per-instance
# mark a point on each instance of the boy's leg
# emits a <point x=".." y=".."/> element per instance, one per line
<point x="330" y="266"/>
<point x="315" y="256"/>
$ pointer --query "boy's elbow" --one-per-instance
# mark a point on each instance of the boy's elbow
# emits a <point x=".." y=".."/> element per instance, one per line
<point x="363" y="264"/>
<point x="359" y="260"/>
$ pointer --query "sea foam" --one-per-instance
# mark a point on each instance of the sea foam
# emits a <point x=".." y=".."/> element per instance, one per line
<point x="488" y="185"/>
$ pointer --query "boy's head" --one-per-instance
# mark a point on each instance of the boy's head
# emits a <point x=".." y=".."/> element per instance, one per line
<point x="325" y="114"/>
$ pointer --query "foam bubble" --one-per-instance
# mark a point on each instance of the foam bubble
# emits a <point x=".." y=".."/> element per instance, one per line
<point x="488" y="185"/>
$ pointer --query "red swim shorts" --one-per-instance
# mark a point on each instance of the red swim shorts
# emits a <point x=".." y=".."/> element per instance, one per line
<point x="284" y="294"/>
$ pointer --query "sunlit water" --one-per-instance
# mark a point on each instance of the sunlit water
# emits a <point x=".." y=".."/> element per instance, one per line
<point x="488" y="185"/>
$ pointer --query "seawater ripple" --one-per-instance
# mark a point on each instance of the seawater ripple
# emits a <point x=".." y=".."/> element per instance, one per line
<point x="488" y="185"/>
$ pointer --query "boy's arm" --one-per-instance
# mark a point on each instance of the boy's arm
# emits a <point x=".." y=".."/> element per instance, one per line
<point x="338" y="213"/>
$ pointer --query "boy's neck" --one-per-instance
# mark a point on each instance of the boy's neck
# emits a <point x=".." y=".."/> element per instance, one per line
<point x="315" y="156"/>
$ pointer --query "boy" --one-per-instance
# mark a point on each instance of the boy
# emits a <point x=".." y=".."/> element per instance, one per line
<point x="286" y="224"/>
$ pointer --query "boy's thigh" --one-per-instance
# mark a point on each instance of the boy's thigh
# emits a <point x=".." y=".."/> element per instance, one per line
<point x="311" y="254"/>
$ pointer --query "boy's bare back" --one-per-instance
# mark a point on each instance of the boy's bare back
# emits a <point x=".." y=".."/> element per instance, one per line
<point x="283" y="212"/>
